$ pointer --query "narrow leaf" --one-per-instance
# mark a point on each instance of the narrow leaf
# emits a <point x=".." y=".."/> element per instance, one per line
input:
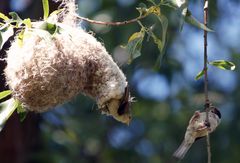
<point x="191" y="20"/>
<point x="4" y="17"/>
<point x="6" y="110"/>
<point x="222" y="64"/>
<point x="4" y="94"/>
<point x="161" y="41"/>
<point x="45" y="9"/>
<point x="56" y="12"/>
<point x="164" y="22"/>
<point x="183" y="10"/>
<point x="199" y="75"/>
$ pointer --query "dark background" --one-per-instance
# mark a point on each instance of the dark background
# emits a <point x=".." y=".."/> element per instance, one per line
<point x="166" y="98"/>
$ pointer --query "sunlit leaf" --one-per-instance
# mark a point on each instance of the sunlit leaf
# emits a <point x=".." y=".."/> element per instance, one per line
<point x="154" y="10"/>
<point x="135" y="36"/>
<point x="222" y="64"/>
<point x="27" y="22"/>
<point x="6" y="110"/>
<point x="22" y="112"/>
<point x="4" y="94"/>
<point x="5" y="33"/>
<point x="135" y="44"/>
<point x="4" y="17"/>
<point x="191" y="20"/>
<point x="56" y="12"/>
<point x="199" y="75"/>
<point x="45" y="9"/>
<point x="20" y="37"/>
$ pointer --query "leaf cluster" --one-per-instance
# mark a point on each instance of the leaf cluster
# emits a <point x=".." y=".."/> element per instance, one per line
<point x="135" y="41"/>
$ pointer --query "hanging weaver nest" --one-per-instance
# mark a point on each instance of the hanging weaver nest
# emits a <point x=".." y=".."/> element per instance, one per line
<point x="48" y="68"/>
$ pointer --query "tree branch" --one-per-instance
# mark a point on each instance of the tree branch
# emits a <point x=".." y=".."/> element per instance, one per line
<point x="207" y="103"/>
<point x="112" y="23"/>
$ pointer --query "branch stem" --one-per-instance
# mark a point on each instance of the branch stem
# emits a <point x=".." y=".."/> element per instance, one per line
<point x="113" y="23"/>
<point x="207" y="103"/>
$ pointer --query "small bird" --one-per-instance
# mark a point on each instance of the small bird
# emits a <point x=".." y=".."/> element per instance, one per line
<point x="198" y="128"/>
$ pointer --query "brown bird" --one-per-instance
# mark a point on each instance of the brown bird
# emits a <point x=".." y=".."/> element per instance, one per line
<point x="198" y="128"/>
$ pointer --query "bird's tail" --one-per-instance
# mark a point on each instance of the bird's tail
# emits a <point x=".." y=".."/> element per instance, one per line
<point x="182" y="150"/>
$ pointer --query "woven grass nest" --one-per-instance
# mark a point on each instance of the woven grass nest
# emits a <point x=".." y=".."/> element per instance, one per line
<point x="47" y="69"/>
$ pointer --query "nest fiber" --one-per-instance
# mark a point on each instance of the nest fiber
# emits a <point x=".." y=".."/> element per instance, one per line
<point x="47" y="70"/>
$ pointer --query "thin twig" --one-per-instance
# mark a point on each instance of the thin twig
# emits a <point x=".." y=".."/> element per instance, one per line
<point x="208" y="148"/>
<point x="206" y="78"/>
<point x="112" y="23"/>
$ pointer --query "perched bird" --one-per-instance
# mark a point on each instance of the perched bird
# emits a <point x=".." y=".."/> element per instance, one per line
<point x="198" y="128"/>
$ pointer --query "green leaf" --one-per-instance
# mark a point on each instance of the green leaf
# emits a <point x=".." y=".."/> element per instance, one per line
<point x="4" y="94"/>
<point x="222" y="64"/>
<point x="164" y="22"/>
<point x="15" y="17"/>
<point x="182" y="7"/>
<point x="27" y="22"/>
<point x="199" y="75"/>
<point x="135" y="44"/>
<point x="191" y="20"/>
<point x="56" y="12"/>
<point x="154" y="10"/>
<point x="51" y="28"/>
<point x="151" y="10"/>
<point x="160" y="41"/>
<point x="22" y="112"/>
<point x="20" y="37"/>
<point x="45" y="9"/>
<point x="6" y="110"/>
<point x="156" y="40"/>
<point x="4" y="17"/>
<point x="5" y="33"/>
<point x="183" y="10"/>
